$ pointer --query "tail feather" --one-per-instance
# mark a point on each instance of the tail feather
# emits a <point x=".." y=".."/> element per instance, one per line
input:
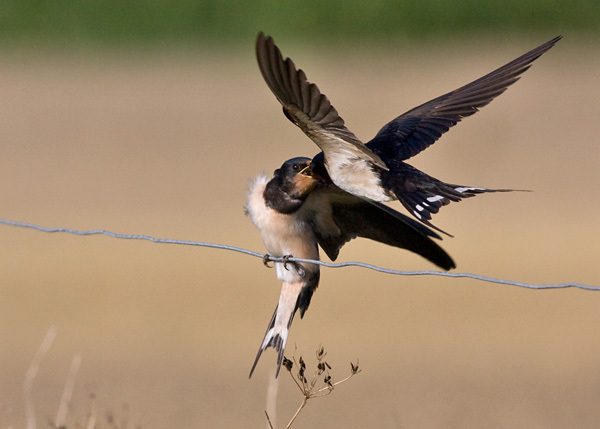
<point x="275" y="338"/>
<point x="263" y="346"/>
<point x="423" y="195"/>
<point x="279" y="326"/>
<point x="426" y="201"/>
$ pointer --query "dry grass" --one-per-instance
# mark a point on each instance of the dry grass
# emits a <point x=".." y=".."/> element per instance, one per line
<point x="66" y="417"/>
<point x="164" y="145"/>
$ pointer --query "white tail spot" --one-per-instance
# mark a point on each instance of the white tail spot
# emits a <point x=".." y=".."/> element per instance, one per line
<point x="436" y="198"/>
<point x="464" y="189"/>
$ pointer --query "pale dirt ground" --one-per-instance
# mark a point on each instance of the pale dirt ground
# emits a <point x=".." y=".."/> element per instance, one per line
<point x="164" y="145"/>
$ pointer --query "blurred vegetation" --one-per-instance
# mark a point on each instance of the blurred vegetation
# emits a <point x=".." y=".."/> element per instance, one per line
<point x="114" y="22"/>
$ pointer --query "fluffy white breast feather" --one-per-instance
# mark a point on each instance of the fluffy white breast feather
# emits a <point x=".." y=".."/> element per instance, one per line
<point x="282" y="234"/>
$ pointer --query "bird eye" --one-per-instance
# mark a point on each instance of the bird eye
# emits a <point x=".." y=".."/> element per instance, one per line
<point x="295" y="167"/>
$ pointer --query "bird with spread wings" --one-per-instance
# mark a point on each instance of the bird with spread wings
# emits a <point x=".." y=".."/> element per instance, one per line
<point x="337" y="195"/>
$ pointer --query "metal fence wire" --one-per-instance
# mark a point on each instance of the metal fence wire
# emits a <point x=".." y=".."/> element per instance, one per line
<point x="292" y="259"/>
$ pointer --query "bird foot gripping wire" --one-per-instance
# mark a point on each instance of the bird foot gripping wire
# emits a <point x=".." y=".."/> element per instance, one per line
<point x="299" y="268"/>
<point x="266" y="259"/>
<point x="286" y="261"/>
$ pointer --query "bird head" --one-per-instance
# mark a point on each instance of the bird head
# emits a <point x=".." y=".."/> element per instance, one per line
<point x="295" y="177"/>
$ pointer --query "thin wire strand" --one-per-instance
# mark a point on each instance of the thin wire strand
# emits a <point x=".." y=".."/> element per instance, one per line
<point x="292" y="259"/>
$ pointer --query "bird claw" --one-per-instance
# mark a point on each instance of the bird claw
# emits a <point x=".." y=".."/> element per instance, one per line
<point x="286" y="261"/>
<point x="266" y="259"/>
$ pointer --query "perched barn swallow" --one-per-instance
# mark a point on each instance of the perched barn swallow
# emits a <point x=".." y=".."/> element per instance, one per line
<point x="376" y="170"/>
<point x="296" y="213"/>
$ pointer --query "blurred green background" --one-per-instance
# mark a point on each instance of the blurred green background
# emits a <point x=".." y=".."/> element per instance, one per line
<point x="113" y="22"/>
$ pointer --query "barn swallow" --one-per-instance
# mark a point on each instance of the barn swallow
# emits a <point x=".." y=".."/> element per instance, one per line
<point x="296" y="213"/>
<point x="376" y="170"/>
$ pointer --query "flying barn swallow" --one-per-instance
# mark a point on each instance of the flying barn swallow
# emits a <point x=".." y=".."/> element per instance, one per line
<point x="376" y="170"/>
<point x="336" y="196"/>
<point x="296" y="213"/>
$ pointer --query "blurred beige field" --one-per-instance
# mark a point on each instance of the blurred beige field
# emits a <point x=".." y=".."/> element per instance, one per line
<point x="163" y="144"/>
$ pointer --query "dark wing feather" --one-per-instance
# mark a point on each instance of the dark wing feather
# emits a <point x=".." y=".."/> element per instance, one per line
<point x="417" y="129"/>
<point x="305" y="105"/>
<point x="338" y="217"/>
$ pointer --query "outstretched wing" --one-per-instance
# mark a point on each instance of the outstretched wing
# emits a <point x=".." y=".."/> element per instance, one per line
<point x="419" y="128"/>
<point x="338" y="217"/>
<point x="306" y="106"/>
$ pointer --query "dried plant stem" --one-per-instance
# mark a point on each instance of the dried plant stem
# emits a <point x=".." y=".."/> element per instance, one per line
<point x="30" y="376"/>
<point x="92" y="417"/>
<point x="269" y="420"/>
<point x="65" y="400"/>
<point x="327" y="389"/>
<point x="272" y="389"/>
<point x="304" y="401"/>
<point x="308" y="388"/>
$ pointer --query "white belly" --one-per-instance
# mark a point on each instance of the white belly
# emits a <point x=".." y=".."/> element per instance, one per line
<point x="358" y="178"/>
<point x="282" y="234"/>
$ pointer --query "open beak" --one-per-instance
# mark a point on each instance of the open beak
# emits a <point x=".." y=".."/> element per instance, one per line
<point x="306" y="171"/>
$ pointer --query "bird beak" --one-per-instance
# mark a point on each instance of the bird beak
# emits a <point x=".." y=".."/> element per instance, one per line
<point x="303" y="182"/>
<point x="306" y="171"/>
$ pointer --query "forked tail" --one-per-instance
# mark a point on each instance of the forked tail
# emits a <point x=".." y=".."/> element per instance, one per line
<point x="275" y="337"/>
<point x="427" y="200"/>
<point x="279" y="326"/>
